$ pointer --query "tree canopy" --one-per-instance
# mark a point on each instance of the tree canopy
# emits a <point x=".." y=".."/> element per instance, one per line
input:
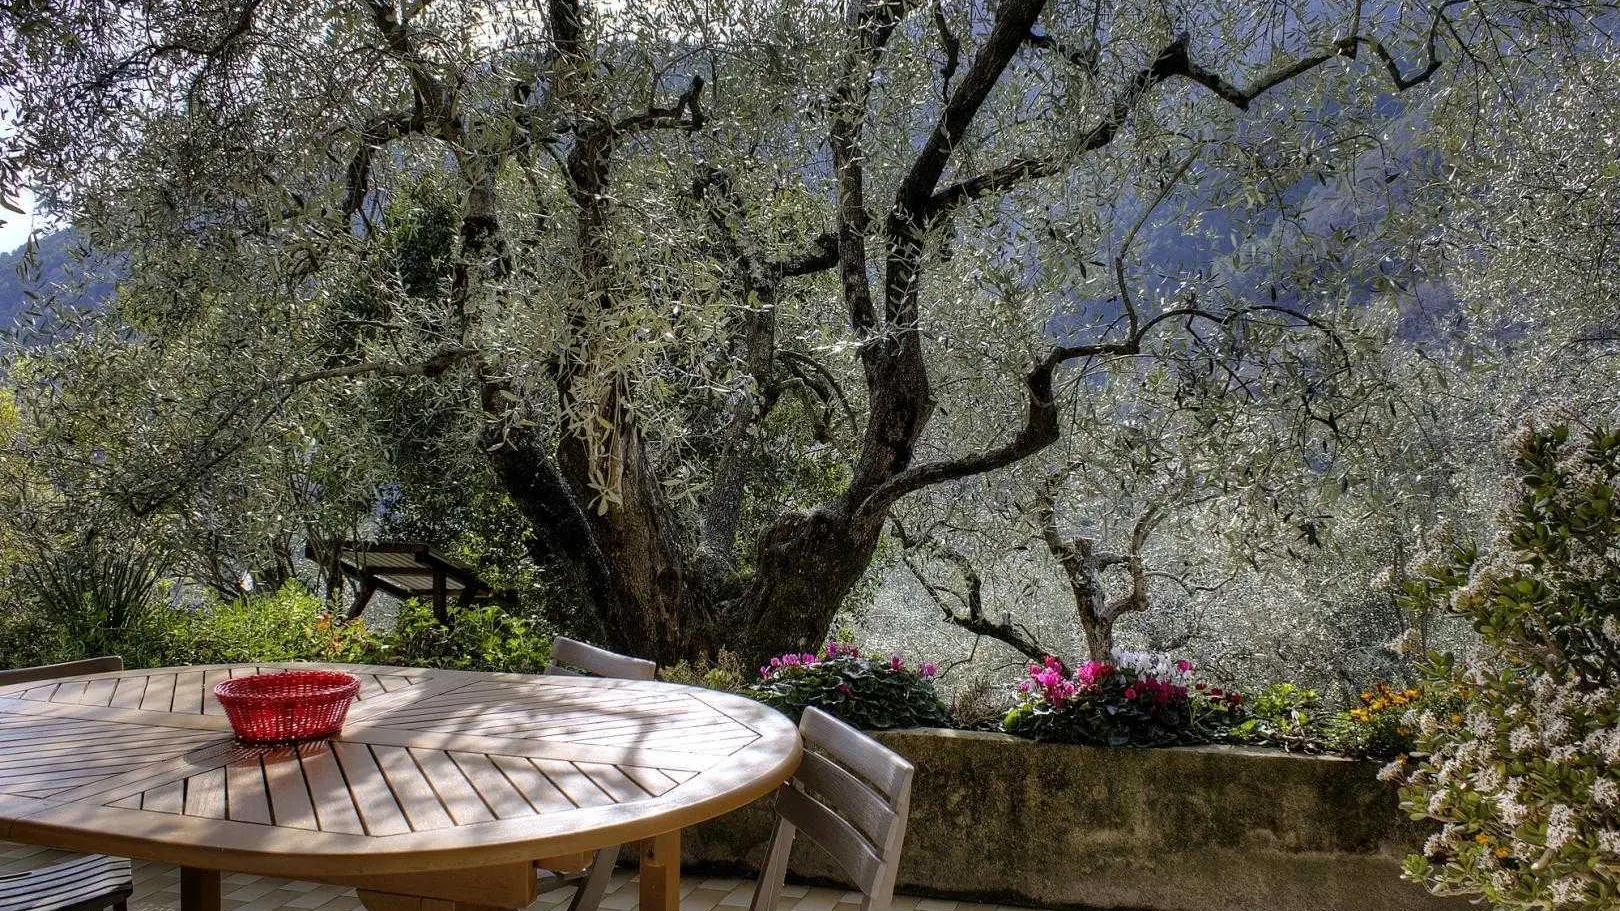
<point x="702" y="292"/>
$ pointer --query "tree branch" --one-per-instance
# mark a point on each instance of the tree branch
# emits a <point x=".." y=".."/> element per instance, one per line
<point x="953" y="50"/>
<point x="376" y="133"/>
<point x="747" y="405"/>
<point x="821" y="255"/>
<point x="974" y="621"/>
<point x="436" y="364"/>
<point x="1172" y="62"/>
<point x="874" y="22"/>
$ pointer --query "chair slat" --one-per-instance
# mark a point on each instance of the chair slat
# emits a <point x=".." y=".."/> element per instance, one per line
<point x="570" y="654"/>
<point x="879" y="765"/>
<point x="836" y="787"/>
<point x="31" y="895"/>
<point x="83" y="882"/>
<point x="105" y="664"/>
<point x="76" y="869"/>
<point x="67" y="897"/>
<point x="841" y="840"/>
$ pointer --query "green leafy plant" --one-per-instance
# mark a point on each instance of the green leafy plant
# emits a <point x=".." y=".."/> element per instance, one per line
<point x="1524" y="776"/>
<point x="871" y="694"/>
<point x="287" y="625"/>
<point x="1283" y="715"/>
<point x="1380" y="726"/>
<point x="91" y="591"/>
<point x="483" y="638"/>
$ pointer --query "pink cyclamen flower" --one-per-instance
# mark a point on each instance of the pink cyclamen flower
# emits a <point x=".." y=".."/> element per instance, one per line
<point x="928" y="670"/>
<point x="807" y="658"/>
<point x="895" y="664"/>
<point x="765" y="671"/>
<point x="1130" y="692"/>
<point x="1184" y="665"/>
<point x="1092" y="672"/>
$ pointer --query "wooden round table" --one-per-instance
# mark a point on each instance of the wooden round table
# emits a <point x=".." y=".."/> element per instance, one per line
<point x="445" y="788"/>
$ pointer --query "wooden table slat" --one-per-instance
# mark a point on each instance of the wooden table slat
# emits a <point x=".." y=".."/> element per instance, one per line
<point x="205" y="795"/>
<point x="496" y="790"/>
<point x="290" y="805"/>
<point x="334" y="806"/>
<point x="411" y="789"/>
<point x="372" y="797"/>
<point x="245" y="798"/>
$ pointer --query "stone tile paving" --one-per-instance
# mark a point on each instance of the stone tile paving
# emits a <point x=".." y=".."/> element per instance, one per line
<point x="157" y="888"/>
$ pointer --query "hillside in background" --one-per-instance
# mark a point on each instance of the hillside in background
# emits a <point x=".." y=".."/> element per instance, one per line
<point x="61" y="269"/>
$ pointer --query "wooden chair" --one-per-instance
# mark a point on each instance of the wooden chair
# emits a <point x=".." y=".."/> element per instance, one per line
<point x="87" y="882"/>
<point x="107" y="664"/>
<point x="572" y="658"/>
<point x="850" y="796"/>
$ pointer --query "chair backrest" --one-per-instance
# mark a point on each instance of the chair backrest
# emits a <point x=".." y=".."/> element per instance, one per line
<point x="106" y="664"/>
<point x="572" y="658"/>
<point x="851" y="796"/>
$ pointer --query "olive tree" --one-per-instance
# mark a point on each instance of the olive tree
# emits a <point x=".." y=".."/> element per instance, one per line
<point x="684" y="229"/>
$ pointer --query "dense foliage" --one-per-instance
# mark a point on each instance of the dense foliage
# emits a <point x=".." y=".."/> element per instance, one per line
<point x="286" y="625"/>
<point x="1525" y="773"/>
<point x="677" y="303"/>
<point x="873" y="694"/>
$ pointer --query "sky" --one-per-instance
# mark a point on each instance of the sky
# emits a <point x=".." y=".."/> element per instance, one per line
<point x="16" y="227"/>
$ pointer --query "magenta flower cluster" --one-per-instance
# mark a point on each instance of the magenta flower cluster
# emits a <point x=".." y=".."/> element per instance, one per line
<point x="1052" y="684"/>
<point x="834" y="651"/>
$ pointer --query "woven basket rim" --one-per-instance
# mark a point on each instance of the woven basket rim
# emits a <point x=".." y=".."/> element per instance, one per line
<point x="317" y="685"/>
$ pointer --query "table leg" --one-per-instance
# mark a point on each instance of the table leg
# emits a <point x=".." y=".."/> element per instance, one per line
<point x="199" y="889"/>
<point x="661" y="872"/>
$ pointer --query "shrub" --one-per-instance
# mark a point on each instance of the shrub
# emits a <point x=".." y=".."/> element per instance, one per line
<point x="484" y="638"/>
<point x="1281" y="715"/>
<point x="288" y="625"/>
<point x="724" y="673"/>
<point x="1525" y="775"/>
<point x="871" y="694"/>
<point x="1375" y="726"/>
<point x="28" y="638"/>
<point x="91" y="592"/>
<point x="1135" y="700"/>
<point x="980" y="704"/>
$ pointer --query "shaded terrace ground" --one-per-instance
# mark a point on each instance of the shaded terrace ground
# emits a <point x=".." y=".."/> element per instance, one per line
<point x="157" y="888"/>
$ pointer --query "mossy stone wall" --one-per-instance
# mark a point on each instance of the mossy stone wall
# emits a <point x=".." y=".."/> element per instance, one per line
<point x="1004" y="820"/>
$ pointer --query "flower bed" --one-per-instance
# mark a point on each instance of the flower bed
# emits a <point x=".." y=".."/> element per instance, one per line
<point x="1211" y="828"/>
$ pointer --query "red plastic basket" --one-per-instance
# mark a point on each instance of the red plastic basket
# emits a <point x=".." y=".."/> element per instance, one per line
<point x="289" y="706"/>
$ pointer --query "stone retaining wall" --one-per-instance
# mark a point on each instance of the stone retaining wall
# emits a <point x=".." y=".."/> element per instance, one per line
<point x="999" y="819"/>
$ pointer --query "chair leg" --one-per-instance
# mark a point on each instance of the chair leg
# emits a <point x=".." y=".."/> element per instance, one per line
<point x="594" y="887"/>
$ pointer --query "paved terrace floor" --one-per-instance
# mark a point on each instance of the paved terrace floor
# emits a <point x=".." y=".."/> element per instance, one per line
<point x="157" y="888"/>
